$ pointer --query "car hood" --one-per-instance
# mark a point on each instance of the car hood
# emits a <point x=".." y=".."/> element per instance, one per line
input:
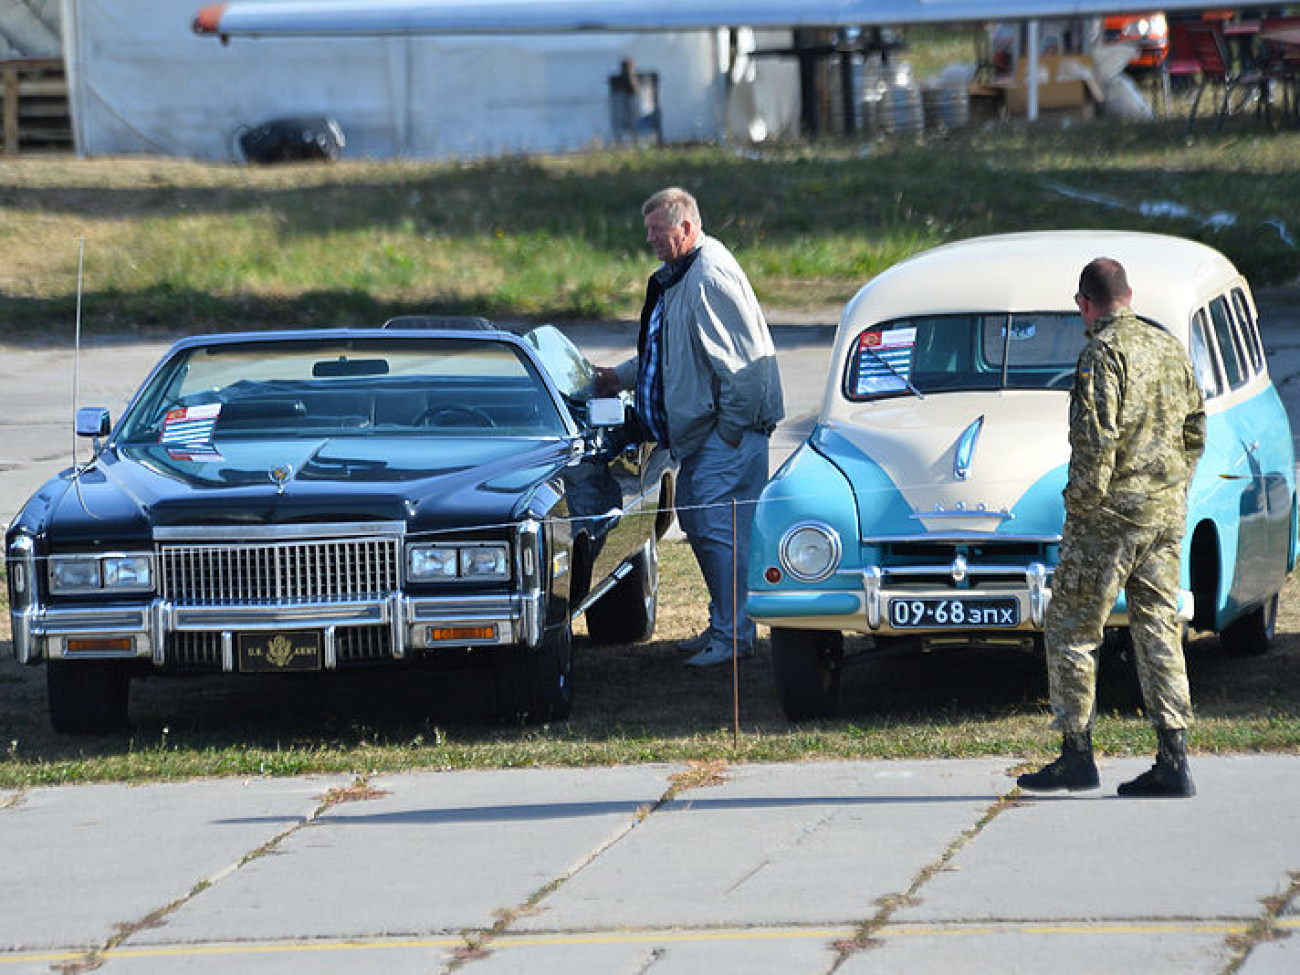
<point x="966" y="462"/>
<point x="456" y="482"/>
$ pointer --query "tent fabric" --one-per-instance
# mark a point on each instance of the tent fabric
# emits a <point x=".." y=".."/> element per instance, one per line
<point x="140" y="82"/>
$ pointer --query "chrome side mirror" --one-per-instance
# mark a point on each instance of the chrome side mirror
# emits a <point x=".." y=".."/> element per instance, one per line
<point x="93" y="421"/>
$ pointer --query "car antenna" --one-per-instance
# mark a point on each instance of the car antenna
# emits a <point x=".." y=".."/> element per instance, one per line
<point x="76" y="346"/>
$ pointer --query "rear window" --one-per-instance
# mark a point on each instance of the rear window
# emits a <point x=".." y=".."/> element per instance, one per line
<point x="959" y="353"/>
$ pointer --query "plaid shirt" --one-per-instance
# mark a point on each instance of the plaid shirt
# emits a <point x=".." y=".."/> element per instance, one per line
<point x="650" y="378"/>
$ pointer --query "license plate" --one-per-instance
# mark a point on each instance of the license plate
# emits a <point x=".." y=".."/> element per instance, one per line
<point x="279" y="652"/>
<point x="969" y="612"/>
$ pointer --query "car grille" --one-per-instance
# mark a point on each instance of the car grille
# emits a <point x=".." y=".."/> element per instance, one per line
<point x="312" y="570"/>
<point x="961" y="565"/>
<point x="198" y="653"/>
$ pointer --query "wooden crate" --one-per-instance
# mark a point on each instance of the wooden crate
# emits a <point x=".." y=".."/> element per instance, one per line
<point x="34" y="95"/>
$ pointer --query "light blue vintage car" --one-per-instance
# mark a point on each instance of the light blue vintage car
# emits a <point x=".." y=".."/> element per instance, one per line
<point x="925" y="507"/>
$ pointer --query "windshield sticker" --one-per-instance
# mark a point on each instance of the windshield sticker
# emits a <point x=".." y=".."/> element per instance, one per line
<point x="190" y="427"/>
<point x="204" y="454"/>
<point x="1021" y="331"/>
<point x="884" y="361"/>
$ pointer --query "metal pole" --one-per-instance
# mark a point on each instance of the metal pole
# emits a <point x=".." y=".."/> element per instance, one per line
<point x="735" y="640"/>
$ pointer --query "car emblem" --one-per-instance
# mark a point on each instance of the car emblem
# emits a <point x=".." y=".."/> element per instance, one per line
<point x="280" y="476"/>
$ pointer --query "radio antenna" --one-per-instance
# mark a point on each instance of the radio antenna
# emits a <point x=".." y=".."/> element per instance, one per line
<point x="76" y="347"/>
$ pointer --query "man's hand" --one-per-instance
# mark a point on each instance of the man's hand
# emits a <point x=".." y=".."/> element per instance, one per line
<point x="607" y="383"/>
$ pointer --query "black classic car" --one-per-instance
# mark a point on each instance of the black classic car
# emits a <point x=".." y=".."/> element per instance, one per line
<point x="324" y="500"/>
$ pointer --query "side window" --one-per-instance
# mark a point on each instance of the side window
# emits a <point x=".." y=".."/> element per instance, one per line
<point x="1208" y="376"/>
<point x="1228" y="341"/>
<point x="1249" y="329"/>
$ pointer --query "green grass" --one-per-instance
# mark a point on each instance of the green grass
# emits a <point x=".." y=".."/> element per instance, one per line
<point x="176" y="246"/>
<point x="633" y="704"/>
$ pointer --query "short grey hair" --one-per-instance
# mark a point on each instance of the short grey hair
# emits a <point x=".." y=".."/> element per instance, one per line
<point x="676" y="203"/>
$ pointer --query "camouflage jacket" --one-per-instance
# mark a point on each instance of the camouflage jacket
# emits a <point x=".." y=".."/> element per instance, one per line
<point x="1137" y="425"/>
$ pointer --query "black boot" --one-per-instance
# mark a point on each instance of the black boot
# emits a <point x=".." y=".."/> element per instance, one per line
<point x="1169" y="777"/>
<point x="1073" y="770"/>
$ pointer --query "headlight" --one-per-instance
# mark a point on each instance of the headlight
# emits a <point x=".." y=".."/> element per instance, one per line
<point x="481" y="562"/>
<point x="95" y="573"/>
<point x="810" y="552"/>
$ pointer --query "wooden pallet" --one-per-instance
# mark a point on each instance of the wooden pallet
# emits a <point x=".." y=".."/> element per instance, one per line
<point x="34" y="96"/>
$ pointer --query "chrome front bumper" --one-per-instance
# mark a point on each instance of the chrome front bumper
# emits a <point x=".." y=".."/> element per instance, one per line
<point x="41" y="632"/>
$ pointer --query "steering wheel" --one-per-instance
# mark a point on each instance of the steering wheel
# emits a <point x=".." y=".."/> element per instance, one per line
<point x="458" y="415"/>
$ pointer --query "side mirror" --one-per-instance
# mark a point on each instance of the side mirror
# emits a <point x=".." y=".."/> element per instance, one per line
<point x="604" y="412"/>
<point x="93" y="421"/>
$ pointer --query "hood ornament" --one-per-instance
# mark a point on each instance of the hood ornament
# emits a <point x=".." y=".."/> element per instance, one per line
<point x="280" y="476"/>
<point x="965" y="454"/>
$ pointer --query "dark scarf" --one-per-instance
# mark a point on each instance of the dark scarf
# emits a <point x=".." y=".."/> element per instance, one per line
<point x="667" y="275"/>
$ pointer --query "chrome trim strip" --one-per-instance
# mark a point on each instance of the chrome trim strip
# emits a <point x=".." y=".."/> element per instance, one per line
<point x="958" y="537"/>
<point x="949" y="569"/>
<point x="227" y="651"/>
<point x="22" y="560"/>
<point x="1002" y="514"/>
<point x="269" y="533"/>
<point x="330" y="649"/>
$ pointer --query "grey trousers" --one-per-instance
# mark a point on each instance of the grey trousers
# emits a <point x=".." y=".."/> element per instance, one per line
<point x="707" y="483"/>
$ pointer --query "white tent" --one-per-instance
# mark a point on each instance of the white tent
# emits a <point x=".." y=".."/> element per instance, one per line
<point x="141" y="82"/>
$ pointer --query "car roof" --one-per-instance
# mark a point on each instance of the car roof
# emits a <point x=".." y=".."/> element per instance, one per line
<point x="1039" y="271"/>
<point x="416" y="333"/>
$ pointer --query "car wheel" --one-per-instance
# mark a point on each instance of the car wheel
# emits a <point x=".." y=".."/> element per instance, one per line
<point x="1252" y="634"/>
<point x="88" y="696"/>
<point x="626" y="614"/>
<point x="807" y="665"/>
<point x="534" y="683"/>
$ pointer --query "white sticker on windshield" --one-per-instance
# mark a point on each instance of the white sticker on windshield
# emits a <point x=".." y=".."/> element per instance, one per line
<point x="189" y="426"/>
<point x="884" y="361"/>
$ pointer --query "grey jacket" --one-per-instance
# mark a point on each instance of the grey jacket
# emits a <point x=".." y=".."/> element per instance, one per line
<point x="719" y="365"/>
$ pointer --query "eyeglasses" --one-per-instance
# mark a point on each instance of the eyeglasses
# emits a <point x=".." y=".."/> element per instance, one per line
<point x="1080" y="298"/>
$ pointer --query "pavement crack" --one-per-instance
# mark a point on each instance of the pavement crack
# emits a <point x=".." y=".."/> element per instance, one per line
<point x="123" y="930"/>
<point x="478" y="941"/>
<point x="865" y="935"/>
<point x="1264" y="928"/>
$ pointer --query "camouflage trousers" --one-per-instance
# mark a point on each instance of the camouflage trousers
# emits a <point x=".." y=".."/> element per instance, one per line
<point x="1097" y="560"/>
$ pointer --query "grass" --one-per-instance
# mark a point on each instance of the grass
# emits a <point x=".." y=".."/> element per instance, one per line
<point x="633" y="704"/>
<point x="174" y="246"/>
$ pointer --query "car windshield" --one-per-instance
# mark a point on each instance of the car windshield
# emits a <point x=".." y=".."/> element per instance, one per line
<point x="344" y="387"/>
<point x="959" y="353"/>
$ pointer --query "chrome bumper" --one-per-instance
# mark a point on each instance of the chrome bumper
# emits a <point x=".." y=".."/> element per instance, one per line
<point x="41" y="632"/>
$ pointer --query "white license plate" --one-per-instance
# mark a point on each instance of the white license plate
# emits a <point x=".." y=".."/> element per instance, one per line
<point x="966" y="612"/>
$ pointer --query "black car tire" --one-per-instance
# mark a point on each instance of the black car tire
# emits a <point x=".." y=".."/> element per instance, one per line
<point x="1252" y="635"/>
<point x="626" y="614"/>
<point x="807" y="665"/>
<point x="534" y="683"/>
<point x="87" y="696"/>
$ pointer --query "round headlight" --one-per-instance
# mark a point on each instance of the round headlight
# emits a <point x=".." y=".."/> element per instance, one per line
<point x="810" y="552"/>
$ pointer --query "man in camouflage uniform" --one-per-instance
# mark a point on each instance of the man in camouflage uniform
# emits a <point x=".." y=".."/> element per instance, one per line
<point x="1137" y="429"/>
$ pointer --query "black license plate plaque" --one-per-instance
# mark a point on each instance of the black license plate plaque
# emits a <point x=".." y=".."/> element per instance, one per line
<point x="949" y="613"/>
<point x="279" y="651"/>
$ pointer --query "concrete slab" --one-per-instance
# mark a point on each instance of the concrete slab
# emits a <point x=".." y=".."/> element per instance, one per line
<point x="1094" y="856"/>
<point x="817" y="843"/>
<point x="437" y="853"/>
<point x="662" y="952"/>
<point x="1061" y="950"/>
<point x="80" y="861"/>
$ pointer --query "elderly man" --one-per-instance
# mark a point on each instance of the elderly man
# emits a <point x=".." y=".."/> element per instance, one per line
<point x="1137" y="429"/>
<point x="707" y="387"/>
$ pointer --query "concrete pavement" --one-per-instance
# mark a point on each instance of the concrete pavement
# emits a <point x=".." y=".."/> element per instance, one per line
<point x="849" y="867"/>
